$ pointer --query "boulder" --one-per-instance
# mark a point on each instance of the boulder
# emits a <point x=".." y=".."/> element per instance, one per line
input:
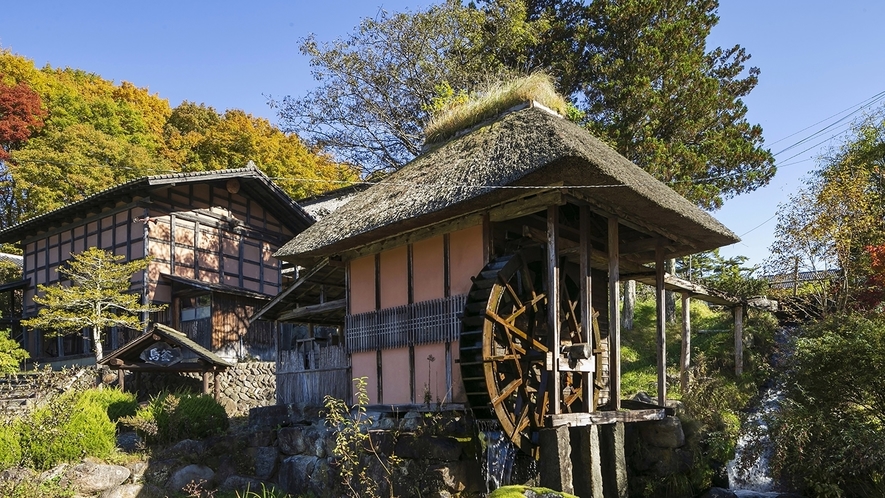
<point x="719" y="493"/>
<point x="92" y="478"/>
<point x="666" y="433"/>
<point x="426" y="446"/>
<point x="134" y="491"/>
<point x="189" y="474"/>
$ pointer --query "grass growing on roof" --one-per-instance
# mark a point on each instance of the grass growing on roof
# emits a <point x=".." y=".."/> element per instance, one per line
<point x="461" y="114"/>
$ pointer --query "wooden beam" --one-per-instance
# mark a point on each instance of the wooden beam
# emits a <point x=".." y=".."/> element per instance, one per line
<point x="553" y="303"/>
<point x="614" y="318"/>
<point x="605" y="417"/>
<point x="661" y="325"/>
<point x="685" y="356"/>
<point x="312" y="309"/>
<point x="738" y="340"/>
<point x="586" y="304"/>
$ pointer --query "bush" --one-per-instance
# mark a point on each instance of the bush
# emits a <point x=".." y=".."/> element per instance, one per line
<point x="10" y="448"/>
<point x="66" y="429"/>
<point x="174" y="416"/>
<point x="829" y="433"/>
<point x="116" y="403"/>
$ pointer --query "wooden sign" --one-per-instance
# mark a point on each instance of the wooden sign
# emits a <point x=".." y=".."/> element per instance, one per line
<point x="161" y="354"/>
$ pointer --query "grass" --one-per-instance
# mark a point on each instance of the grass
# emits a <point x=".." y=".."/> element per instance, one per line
<point x="462" y="114"/>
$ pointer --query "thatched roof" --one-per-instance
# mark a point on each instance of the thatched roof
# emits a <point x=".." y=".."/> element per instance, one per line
<point x="527" y="148"/>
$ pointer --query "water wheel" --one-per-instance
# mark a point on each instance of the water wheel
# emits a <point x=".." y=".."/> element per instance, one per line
<point x="504" y="346"/>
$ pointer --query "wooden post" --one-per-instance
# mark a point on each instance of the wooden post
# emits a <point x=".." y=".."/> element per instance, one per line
<point x="685" y="356"/>
<point x="553" y="304"/>
<point x="205" y="382"/>
<point x="738" y="340"/>
<point x="586" y="302"/>
<point x="216" y="388"/>
<point x="661" y="325"/>
<point x="121" y="379"/>
<point x="614" y="319"/>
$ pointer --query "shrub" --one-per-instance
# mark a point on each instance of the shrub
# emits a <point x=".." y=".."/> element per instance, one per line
<point x="116" y="403"/>
<point x="173" y="416"/>
<point x="10" y="448"/>
<point x="67" y="429"/>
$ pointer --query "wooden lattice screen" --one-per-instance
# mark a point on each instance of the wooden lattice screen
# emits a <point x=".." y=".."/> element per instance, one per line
<point x="437" y="320"/>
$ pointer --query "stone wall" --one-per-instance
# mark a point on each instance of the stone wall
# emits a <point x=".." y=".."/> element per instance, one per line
<point x="242" y="387"/>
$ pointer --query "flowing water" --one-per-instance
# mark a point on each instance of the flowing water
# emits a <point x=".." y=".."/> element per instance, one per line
<point x="499" y="455"/>
<point x="749" y="474"/>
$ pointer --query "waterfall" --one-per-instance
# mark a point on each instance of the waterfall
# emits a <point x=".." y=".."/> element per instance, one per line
<point x="498" y="454"/>
<point x="749" y="474"/>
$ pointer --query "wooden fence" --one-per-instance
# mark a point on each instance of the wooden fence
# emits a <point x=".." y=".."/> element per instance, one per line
<point x="311" y="371"/>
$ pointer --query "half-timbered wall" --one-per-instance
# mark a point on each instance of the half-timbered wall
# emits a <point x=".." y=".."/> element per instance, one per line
<point x="210" y="234"/>
<point x="403" y="316"/>
<point x="113" y="231"/>
<point x="214" y="236"/>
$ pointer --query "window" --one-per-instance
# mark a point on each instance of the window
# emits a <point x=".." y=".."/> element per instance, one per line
<point x="196" y="308"/>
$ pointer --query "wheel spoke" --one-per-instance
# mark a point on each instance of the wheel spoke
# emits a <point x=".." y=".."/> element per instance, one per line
<point x="491" y="315"/>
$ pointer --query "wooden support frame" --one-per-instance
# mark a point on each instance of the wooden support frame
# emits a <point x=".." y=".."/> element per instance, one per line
<point x="614" y="318"/>
<point x="553" y="304"/>
<point x="661" y="325"/>
<point x="685" y="354"/>
<point x="586" y="300"/>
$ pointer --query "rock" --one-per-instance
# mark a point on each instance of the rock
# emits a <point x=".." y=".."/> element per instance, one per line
<point x="292" y="441"/>
<point x="666" y="433"/>
<point x="425" y="446"/>
<point x="719" y="493"/>
<point x="295" y="474"/>
<point x="129" y="441"/>
<point x="53" y="473"/>
<point x="134" y="491"/>
<point x="242" y="484"/>
<point x="17" y="474"/>
<point x="187" y="448"/>
<point x="265" y="461"/>
<point x="92" y="478"/>
<point x="137" y="469"/>
<point x="190" y="474"/>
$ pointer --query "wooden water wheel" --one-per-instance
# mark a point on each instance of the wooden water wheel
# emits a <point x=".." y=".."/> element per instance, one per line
<point x="505" y="345"/>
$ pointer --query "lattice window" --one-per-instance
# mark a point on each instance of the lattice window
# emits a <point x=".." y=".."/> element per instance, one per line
<point x="437" y="320"/>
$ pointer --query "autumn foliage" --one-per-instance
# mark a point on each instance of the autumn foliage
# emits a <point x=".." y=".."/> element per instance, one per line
<point x="21" y="114"/>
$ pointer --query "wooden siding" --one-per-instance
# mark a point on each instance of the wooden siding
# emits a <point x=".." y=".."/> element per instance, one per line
<point x="310" y="372"/>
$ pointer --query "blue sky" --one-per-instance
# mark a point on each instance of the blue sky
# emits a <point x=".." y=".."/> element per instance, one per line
<point x="817" y="58"/>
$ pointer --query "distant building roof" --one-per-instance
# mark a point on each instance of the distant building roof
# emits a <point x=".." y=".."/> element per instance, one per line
<point x="252" y="182"/>
<point x="787" y="280"/>
<point x="13" y="258"/>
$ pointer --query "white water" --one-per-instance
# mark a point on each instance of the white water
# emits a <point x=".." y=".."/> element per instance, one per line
<point x="498" y="455"/>
<point x="749" y="474"/>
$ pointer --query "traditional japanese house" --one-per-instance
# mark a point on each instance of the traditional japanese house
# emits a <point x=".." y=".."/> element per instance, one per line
<point x="492" y="260"/>
<point x="211" y="236"/>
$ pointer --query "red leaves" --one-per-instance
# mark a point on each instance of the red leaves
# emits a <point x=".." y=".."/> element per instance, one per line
<point x="21" y="114"/>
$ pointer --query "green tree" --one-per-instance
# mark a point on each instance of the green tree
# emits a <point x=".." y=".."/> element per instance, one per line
<point x="640" y="71"/>
<point x="830" y="223"/>
<point x="11" y="354"/>
<point x="97" y="297"/>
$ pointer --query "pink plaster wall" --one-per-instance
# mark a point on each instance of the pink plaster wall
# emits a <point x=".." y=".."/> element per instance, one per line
<point x="394" y="277"/>
<point x="362" y="285"/>
<point x="395" y="376"/>
<point x="364" y="364"/>
<point x="430" y="374"/>
<point x="428" y="269"/>
<point x="465" y="258"/>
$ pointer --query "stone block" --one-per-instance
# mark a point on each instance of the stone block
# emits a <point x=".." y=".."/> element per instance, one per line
<point x="666" y="433"/>
<point x="429" y="447"/>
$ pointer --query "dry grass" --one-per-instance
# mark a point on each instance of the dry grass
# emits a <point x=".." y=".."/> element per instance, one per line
<point x="491" y="102"/>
